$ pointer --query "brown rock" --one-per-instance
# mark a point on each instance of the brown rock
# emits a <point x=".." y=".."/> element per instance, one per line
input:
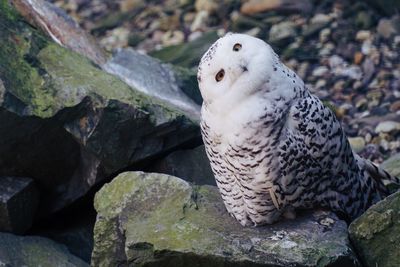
<point x="358" y="58"/>
<point x="256" y="6"/>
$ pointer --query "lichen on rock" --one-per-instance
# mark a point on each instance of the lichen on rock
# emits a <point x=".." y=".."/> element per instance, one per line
<point x="148" y="219"/>
<point x="376" y="233"/>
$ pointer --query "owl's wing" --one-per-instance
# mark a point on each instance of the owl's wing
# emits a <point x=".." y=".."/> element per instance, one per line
<point x="317" y="128"/>
<point x="328" y="167"/>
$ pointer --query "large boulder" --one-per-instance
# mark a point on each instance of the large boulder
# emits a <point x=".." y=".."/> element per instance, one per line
<point x="35" y="251"/>
<point x="191" y="165"/>
<point x="160" y="220"/>
<point x="376" y="233"/>
<point x="68" y="124"/>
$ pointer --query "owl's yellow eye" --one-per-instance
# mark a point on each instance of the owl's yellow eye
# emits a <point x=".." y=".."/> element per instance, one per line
<point x="237" y="47"/>
<point x="220" y="75"/>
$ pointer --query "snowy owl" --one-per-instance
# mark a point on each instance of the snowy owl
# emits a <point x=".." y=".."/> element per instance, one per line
<point x="273" y="146"/>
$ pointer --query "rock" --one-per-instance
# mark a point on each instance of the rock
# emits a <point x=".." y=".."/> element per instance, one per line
<point x="191" y="165"/>
<point x="189" y="54"/>
<point x="376" y="234"/>
<point x="152" y="78"/>
<point x="392" y="165"/>
<point x="320" y="71"/>
<point x="387" y="127"/>
<point x="363" y="35"/>
<point x="75" y="233"/>
<point x="70" y="125"/>
<point x="207" y="5"/>
<point x="357" y="143"/>
<point x="282" y="32"/>
<point x="388" y="27"/>
<point x="160" y="220"/>
<point x="173" y="38"/>
<point x="18" y="202"/>
<point x="200" y="21"/>
<point x="35" y="251"/>
<point x="60" y="27"/>
<point x="252" y="7"/>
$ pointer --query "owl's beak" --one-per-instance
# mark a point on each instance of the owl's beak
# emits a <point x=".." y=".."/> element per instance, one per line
<point x="244" y="68"/>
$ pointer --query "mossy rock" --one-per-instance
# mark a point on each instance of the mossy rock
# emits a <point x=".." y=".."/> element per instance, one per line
<point x="148" y="219"/>
<point x="376" y="233"/>
<point x="67" y="123"/>
<point x="35" y="251"/>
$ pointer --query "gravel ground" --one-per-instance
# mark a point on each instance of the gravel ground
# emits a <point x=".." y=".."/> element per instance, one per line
<point x="347" y="53"/>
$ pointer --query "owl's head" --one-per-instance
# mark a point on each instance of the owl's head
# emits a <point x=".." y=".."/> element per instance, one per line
<point x="235" y="65"/>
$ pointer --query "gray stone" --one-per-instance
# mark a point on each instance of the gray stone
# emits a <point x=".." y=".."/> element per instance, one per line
<point x="387" y="127"/>
<point x="282" y="32"/>
<point x="160" y="220"/>
<point x="376" y="233"/>
<point x="69" y="124"/>
<point x="18" y="203"/>
<point x="152" y="78"/>
<point x="33" y="251"/>
<point x="191" y="165"/>
<point x="388" y="27"/>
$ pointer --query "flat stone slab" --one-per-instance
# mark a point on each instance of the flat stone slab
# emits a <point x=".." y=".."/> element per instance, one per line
<point x="35" y="251"/>
<point x="191" y="165"/>
<point x="18" y="203"/>
<point x="160" y="220"/>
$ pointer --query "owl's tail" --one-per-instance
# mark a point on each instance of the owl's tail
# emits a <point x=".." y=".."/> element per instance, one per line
<point x="384" y="179"/>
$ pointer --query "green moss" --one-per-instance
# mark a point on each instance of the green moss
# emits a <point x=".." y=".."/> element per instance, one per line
<point x="165" y="220"/>
<point x="16" y="39"/>
<point x="46" y="77"/>
<point x="376" y="233"/>
<point x="7" y="11"/>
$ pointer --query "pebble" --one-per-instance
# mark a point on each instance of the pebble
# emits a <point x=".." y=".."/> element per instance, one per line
<point x="255" y="6"/>
<point x="386" y="28"/>
<point x="282" y="31"/>
<point x="363" y="35"/>
<point x="320" y="84"/>
<point x="387" y="127"/>
<point x="320" y="71"/>
<point x="173" y="38"/>
<point x="321" y="19"/>
<point x="206" y="5"/>
<point x="324" y="35"/>
<point x="395" y="106"/>
<point x="358" y="57"/>
<point x="357" y="143"/>
<point x="200" y="21"/>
